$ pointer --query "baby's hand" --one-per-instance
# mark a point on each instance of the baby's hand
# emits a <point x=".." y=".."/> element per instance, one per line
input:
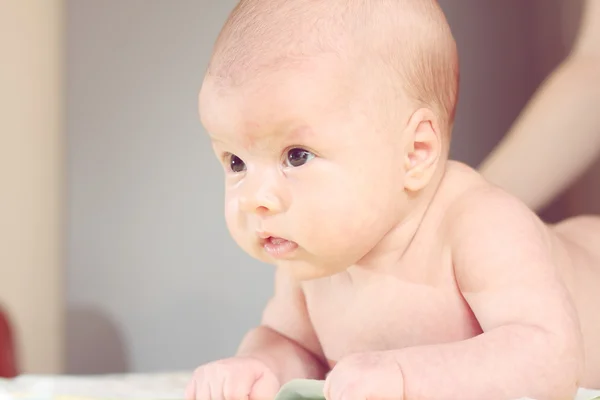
<point x="364" y="376"/>
<point x="236" y="378"/>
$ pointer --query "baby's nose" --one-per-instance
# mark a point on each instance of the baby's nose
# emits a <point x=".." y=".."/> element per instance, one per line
<point x="260" y="203"/>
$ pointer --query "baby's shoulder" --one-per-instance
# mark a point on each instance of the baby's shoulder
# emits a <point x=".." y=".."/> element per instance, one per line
<point x="477" y="207"/>
<point x="490" y="235"/>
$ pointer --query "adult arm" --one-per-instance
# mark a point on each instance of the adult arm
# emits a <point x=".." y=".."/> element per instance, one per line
<point x="557" y="136"/>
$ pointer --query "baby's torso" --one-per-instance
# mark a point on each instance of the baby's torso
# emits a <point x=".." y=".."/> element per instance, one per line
<point x="577" y="254"/>
<point x="416" y="303"/>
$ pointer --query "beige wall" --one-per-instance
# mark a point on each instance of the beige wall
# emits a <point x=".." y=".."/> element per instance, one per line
<point x="31" y="179"/>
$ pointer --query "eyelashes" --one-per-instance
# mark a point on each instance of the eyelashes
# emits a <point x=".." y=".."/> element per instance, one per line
<point x="297" y="157"/>
<point x="294" y="157"/>
<point x="236" y="164"/>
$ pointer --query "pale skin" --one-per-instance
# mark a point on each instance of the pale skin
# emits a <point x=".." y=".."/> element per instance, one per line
<point x="564" y="108"/>
<point x="399" y="274"/>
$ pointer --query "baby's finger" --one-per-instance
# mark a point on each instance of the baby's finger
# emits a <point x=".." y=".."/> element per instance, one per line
<point x="190" y="390"/>
<point x="202" y="383"/>
<point x="214" y="384"/>
<point x="237" y="386"/>
<point x="203" y="392"/>
<point x="340" y="385"/>
<point x="198" y="389"/>
<point x="266" y="387"/>
<point x="198" y="380"/>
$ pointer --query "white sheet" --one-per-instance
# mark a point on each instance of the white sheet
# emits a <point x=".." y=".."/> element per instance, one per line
<point x="156" y="386"/>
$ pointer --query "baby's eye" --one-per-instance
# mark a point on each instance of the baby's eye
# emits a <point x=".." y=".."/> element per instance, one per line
<point x="297" y="157"/>
<point x="236" y="164"/>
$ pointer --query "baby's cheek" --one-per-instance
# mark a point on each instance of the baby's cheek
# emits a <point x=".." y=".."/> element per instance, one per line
<point x="329" y="227"/>
<point x="233" y="220"/>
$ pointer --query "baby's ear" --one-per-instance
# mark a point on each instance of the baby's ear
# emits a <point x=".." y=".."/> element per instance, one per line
<point x="424" y="148"/>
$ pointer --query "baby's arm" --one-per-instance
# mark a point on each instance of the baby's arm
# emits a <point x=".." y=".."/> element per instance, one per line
<point x="557" y="136"/>
<point x="506" y="271"/>
<point x="285" y="341"/>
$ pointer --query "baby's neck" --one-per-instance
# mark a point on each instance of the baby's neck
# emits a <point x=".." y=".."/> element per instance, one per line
<point x="391" y="249"/>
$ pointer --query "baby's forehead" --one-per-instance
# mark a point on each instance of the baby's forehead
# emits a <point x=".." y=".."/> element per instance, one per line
<point x="259" y="126"/>
<point x="272" y="101"/>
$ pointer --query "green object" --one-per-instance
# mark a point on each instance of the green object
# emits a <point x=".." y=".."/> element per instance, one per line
<point x="302" y="389"/>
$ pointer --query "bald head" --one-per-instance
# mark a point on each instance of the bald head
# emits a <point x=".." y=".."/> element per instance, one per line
<point x="405" y="45"/>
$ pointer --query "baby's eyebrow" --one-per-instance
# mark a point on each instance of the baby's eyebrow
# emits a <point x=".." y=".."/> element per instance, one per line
<point x="301" y="132"/>
<point x="217" y="141"/>
<point x="262" y="142"/>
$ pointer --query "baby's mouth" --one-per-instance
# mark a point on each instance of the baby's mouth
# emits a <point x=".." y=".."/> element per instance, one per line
<point x="275" y="240"/>
<point x="278" y="247"/>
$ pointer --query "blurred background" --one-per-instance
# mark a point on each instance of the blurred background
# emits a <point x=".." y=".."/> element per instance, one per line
<point x="114" y="253"/>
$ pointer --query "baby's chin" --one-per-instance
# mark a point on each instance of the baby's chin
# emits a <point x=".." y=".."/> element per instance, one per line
<point x="302" y="266"/>
<point x="302" y="270"/>
<point x="299" y="270"/>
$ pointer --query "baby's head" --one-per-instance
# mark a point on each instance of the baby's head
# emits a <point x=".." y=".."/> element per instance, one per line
<point x="332" y="120"/>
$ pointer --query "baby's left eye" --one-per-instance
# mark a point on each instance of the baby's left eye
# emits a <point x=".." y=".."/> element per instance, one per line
<point x="297" y="157"/>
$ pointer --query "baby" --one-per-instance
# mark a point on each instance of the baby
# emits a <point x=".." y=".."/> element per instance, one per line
<point x="399" y="274"/>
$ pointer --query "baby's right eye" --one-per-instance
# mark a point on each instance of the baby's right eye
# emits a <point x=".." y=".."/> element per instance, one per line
<point x="236" y="164"/>
<point x="297" y="157"/>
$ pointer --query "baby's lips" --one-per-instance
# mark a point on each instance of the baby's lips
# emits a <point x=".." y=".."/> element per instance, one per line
<point x="263" y="235"/>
